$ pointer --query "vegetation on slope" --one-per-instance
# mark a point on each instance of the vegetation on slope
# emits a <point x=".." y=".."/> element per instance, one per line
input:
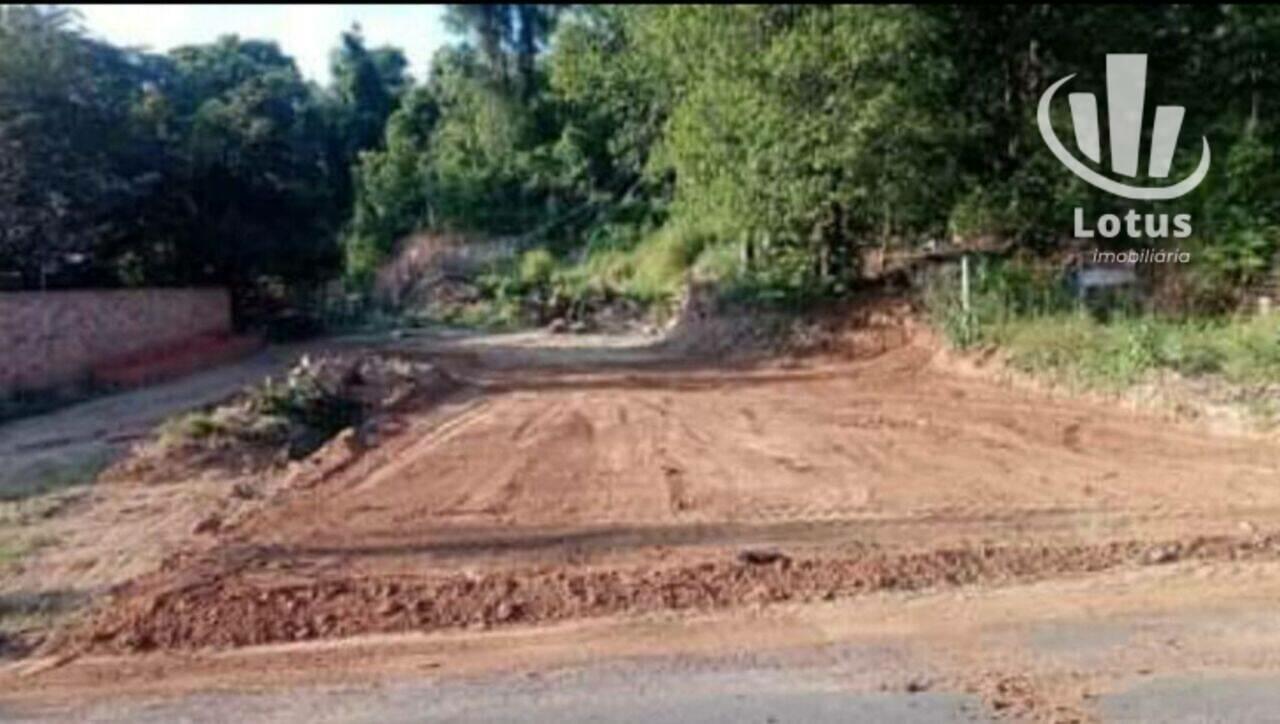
<point x="624" y="150"/>
<point x="1028" y="310"/>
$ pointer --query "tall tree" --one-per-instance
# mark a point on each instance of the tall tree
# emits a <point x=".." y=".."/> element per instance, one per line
<point x="368" y="84"/>
<point x="71" y="165"/>
<point x="510" y="37"/>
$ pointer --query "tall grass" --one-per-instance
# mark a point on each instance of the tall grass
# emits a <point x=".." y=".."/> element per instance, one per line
<point x="651" y="271"/>
<point x="1123" y="350"/>
<point x="1031" y="315"/>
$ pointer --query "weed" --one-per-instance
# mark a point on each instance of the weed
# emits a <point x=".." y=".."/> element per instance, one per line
<point x="55" y="473"/>
<point x="1029" y="314"/>
<point x="14" y="548"/>
<point x="536" y="268"/>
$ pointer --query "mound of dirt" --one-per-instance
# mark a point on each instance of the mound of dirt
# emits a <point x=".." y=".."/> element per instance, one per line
<point x="708" y="325"/>
<point x="257" y="599"/>
<point x="268" y="425"/>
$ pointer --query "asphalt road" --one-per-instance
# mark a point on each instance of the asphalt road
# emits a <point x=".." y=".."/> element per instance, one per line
<point x="638" y="692"/>
<point x="656" y="692"/>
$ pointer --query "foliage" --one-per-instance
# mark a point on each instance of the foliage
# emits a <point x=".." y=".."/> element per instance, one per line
<point x="766" y="145"/>
<point x="536" y="268"/>
<point x="212" y="163"/>
<point x="298" y="413"/>
<point x="801" y="134"/>
<point x="1027" y="312"/>
<point x="367" y="85"/>
<point x="71" y="171"/>
<point x="509" y="38"/>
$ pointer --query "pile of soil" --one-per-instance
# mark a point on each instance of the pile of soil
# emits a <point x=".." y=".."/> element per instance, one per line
<point x="706" y="324"/>
<point x="258" y="597"/>
<point x="268" y="425"/>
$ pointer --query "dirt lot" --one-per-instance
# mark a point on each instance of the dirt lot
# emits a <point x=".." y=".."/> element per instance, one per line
<point x="568" y="480"/>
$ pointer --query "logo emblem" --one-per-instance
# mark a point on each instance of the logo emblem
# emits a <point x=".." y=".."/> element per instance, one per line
<point x="1126" y="88"/>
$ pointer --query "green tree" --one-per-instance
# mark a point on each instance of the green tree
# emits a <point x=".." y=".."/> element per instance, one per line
<point x="72" y="168"/>
<point x="367" y="84"/>
<point x="509" y="37"/>
<point x="260" y="177"/>
<point x="393" y="188"/>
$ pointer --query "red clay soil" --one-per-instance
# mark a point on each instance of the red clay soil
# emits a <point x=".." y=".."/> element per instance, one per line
<point x="579" y="484"/>
<point x="225" y="604"/>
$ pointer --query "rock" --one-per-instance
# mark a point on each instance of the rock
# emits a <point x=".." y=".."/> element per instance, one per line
<point x="1161" y="554"/>
<point x="209" y="524"/>
<point x="506" y="611"/>
<point x="915" y="686"/>
<point x="349" y="438"/>
<point x="366" y="437"/>
<point x="762" y="557"/>
<point x="558" y="326"/>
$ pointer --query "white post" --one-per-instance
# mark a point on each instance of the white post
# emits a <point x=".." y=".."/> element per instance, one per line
<point x="964" y="282"/>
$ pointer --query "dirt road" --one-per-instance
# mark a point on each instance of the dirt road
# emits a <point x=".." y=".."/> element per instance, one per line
<point x="566" y="484"/>
<point x="35" y="448"/>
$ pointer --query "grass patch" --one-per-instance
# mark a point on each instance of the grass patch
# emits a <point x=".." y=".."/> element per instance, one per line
<point x="651" y="270"/>
<point x="1030" y="314"/>
<point x="647" y="270"/>
<point x="1122" y="351"/>
<point x="14" y="548"/>
<point x="11" y="551"/>
<point x="53" y="474"/>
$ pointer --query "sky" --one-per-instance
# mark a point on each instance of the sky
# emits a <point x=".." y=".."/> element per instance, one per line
<point x="306" y="32"/>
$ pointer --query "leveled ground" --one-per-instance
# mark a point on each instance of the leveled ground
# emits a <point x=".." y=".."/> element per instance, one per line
<point x="569" y="481"/>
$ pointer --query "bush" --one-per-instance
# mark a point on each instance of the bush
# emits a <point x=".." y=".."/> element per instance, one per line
<point x="650" y="270"/>
<point x="311" y="401"/>
<point x="661" y="262"/>
<point x="981" y="213"/>
<point x="1000" y="291"/>
<point x="300" y="412"/>
<point x="536" y="268"/>
<point x="1029" y="314"/>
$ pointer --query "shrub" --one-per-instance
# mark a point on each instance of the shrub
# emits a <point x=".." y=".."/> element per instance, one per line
<point x="1028" y="311"/>
<point x="662" y="260"/>
<point x="536" y="268"/>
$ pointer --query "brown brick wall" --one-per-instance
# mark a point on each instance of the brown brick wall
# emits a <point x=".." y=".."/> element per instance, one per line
<point x="52" y="339"/>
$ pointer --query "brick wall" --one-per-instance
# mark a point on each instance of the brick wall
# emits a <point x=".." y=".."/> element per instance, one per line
<point x="53" y="339"/>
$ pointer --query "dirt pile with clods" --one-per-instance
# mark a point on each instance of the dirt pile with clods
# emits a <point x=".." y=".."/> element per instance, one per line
<point x="262" y="596"/>
<point x="284" y="419"/>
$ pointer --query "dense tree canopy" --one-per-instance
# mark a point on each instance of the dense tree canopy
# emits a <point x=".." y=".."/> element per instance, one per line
<point x="805" y="132"/>
<point x="812" y="130"/>
<point x="211" y="163"/>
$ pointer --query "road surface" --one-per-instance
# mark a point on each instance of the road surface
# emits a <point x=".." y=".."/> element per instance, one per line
<point x="611" y="532"/>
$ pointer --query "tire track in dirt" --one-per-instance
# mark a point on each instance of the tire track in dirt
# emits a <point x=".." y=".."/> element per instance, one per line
<point x="553" y="492"/>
